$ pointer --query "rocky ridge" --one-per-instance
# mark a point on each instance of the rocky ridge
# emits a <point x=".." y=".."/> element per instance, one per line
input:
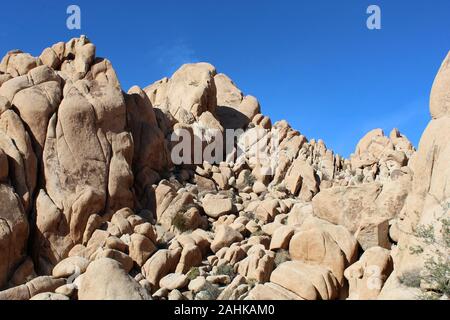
<point x="93" y="207"/>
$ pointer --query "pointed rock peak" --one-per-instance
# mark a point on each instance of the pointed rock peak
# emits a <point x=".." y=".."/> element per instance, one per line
<point x="439" y="97"/>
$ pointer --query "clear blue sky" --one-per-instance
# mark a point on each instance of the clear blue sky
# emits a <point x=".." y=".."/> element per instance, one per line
<point x="312" y="62"/>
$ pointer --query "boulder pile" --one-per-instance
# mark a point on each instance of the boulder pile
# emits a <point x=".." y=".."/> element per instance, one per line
<point x="94" y="206"/>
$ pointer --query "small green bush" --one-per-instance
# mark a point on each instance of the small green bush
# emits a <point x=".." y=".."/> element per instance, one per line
<point x="281" y="188"/>
<point x="193" y="273"/>
<point x="226" y="269"/>
<point x="281" y="256"/>
<point x="411" y="279"/>
<point x="258" y="233"/>
<point x="249" y="178"/>
<point x="436" y="271"/>
<point x="179" y="222"/>
<point x="248" y="215"/>
<point x="359" y="178"/>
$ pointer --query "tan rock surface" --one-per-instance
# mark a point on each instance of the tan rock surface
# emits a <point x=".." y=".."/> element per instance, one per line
<point x="106" y="280"/>
<point x="86" y="170"/>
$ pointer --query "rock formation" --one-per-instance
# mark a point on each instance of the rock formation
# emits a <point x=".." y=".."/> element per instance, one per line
<point x="93" y="205"/>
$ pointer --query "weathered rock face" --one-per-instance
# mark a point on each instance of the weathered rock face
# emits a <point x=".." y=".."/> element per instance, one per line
<point x="87" y="180"/>
<point x="16" y="63"/>
<point x="234" y="110"/>
<point x="378" y="157"/>
<point x="32" y="288"/>
<point x="224" y="237"/>
<point x="320" y="243"/>
<point x="16" y="145"/>
<point x="188" y="93"/>
<point x="271" y="291"/>
<point x="161" y="264"/>
<point x="86" y="135"/>
<point x="308" y="282"/>
<point x="301" y="180"/>
<point x="106" y="280"/>
<point x="13" y="233"/>
<point x="70" y="266"/>
<point x="364" y="209"/>
<point x="318" y="248"/>
<point x="147" y="137"/>
<point x="427" y="204"/>
<point x="439" y="99"/>
<point x="216" y="206"/>
<point x="258" y="264"/>
<point x="67" y="133"/>
<point x="36" y="96"/>
<point x="367" y="276"/>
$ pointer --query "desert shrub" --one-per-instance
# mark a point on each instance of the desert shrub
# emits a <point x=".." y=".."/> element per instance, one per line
<point x="436" y="271"/>
<point x="281" y="256"/>
<point x="211" y="292"/>
<point x="252" y="282"/>
<point x="226" y="269"/>
<point x="411" y="279"/>
<point x="359" y="178"/>
<point x="258" y="233"/>
<point x="281" y="188"/>
<point x="249" y="178"/>
<point x="193" y="273"/>
<point x="248" y="215"/>
<point x="179" y="222"/>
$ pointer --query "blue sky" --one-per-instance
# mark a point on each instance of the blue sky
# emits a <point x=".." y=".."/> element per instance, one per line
<point x="313" y="63"/>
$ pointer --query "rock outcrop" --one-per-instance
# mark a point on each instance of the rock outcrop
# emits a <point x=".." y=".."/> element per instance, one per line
<point x="428" y="203"/>
<point x="94" y="204"/>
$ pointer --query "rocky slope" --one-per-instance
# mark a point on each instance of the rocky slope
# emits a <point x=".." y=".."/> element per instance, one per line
<point x="92" y="205"/>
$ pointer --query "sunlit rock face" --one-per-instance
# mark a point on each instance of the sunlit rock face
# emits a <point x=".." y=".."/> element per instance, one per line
<point x="96" y="205"/>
